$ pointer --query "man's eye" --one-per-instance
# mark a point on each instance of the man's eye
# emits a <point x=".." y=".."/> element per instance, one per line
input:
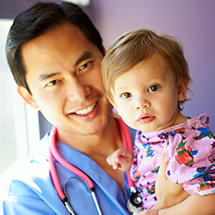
<point x="126" y="95"/>
<point x="154" y="88"/>
<point x="84" y="66"/>
<point x="52" y="83"/>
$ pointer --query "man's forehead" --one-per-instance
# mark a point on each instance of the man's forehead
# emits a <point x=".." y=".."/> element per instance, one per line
<point x="66" y="29"/>
<point x="66" y="33"/>
<point x="60" y="31"/>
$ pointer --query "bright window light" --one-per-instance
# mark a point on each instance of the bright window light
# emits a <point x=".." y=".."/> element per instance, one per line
<point x="80" y="2"/>
<point x="19" y="124"/>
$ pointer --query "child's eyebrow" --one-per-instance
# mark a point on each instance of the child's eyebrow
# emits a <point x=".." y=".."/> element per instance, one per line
<point x="121" y="89"/>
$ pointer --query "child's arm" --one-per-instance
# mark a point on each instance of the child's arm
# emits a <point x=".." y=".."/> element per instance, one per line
<point x="121" y="159"/>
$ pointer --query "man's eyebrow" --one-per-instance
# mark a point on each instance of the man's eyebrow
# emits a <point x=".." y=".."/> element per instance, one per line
<point x="45" y="76"/>
<point x="85" y="55"/>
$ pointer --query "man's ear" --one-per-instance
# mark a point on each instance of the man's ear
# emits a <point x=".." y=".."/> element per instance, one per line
<point x="23" y="92"/>
<point x="104" y="49"/>
<point x="182" y="89"/>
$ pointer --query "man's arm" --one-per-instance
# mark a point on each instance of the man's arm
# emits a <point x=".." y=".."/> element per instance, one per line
<point x="172" y="199"/>
<point x="195" y="204"/>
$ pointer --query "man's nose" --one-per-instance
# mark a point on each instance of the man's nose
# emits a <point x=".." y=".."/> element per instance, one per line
<point x="79" y="91"/>
<point x="142" y="103"/>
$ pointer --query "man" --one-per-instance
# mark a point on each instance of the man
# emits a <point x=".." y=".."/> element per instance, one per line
<point x="54" y="53"/>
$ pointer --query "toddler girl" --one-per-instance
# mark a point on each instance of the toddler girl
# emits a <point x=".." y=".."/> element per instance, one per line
<point x="146" y="78"/>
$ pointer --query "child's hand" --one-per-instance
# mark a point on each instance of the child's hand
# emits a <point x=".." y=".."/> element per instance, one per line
<point x="147" y="212"/>
<point x="121" y="159"/>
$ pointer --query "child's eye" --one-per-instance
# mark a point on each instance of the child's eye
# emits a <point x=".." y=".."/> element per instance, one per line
<point x="154" y="88"/>
<point x="52" y="83"/>
<point x="126" y="95"/>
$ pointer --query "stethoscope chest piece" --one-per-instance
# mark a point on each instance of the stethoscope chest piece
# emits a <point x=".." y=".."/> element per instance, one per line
<point x="134" y="203"/>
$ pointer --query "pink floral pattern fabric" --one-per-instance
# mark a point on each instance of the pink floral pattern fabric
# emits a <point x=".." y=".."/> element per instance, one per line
<point x="190" y="158"/>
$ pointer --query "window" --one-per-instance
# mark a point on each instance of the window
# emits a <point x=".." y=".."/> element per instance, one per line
<point x="19" y="124"/>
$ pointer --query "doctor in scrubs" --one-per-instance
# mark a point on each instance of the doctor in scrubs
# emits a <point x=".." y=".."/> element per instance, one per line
<point x="54" y="53"/>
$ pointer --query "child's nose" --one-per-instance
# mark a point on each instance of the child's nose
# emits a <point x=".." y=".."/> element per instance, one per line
<point x="142" y="103"/>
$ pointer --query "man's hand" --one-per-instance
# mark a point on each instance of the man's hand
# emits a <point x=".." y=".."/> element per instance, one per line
<point x="147" y="212"/>
<point x="168" y="193"/>
<point x="173" y="199"/>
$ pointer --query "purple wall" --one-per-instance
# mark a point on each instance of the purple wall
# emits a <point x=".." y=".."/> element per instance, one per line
<point x="193" y="22"/>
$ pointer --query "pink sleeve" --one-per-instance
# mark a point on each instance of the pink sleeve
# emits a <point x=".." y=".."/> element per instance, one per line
<point x="191" y="161"/>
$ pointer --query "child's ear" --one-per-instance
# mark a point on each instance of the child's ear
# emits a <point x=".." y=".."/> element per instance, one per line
<point x="111" y="100"/>
<point x="182" y="89"/>
<point x="23" y="92"/>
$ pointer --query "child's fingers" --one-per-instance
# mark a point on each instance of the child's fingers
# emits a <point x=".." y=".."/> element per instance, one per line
<point x="112" y="161"/>
<point x="115" y="157"/>
<point x="122" y="152"/>
<point x="120" y="159"/>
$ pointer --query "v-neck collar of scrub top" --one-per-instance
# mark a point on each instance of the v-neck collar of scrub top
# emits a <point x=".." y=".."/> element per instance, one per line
<point x="99" y="177"/>
<point x="94" y="171"/>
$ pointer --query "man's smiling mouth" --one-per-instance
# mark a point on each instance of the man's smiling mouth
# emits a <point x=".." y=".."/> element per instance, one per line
<point x="86" y="110"/>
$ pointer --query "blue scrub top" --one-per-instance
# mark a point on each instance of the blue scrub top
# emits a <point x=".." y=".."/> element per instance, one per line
<point x="32" y="191"/>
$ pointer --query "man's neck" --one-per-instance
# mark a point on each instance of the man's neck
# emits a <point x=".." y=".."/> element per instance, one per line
<point x="98" y="147"/>
<point x="104" y="142"/>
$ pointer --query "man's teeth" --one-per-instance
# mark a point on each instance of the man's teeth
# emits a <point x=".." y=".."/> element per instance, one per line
<point x="85" y="111"/>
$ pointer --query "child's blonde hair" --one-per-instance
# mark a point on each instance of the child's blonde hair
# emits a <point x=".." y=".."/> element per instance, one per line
<point x="137" y="46"/>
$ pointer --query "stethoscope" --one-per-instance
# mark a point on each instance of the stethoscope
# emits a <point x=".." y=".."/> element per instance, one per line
<point x="134" y="203"/>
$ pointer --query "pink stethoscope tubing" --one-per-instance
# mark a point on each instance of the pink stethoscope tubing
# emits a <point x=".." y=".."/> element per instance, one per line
<point x="128" y="144"/>
<point x="53" y="153"/>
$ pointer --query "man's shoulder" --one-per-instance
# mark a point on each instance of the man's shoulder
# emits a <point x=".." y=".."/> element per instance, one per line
<point x="32" y="170"/>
